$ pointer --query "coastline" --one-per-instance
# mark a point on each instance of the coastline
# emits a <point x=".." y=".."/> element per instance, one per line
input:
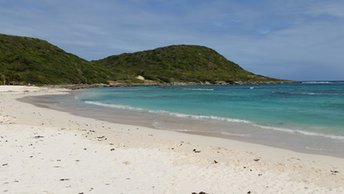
<point x="154" y="83"/>
<point x="133" y="159"/>
<point x="241" y="130"/>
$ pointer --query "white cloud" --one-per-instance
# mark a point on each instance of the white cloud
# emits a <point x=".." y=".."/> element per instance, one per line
<point x="283" y="38"/>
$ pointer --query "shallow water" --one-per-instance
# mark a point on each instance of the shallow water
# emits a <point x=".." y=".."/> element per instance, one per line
<point x="310" y="107"/>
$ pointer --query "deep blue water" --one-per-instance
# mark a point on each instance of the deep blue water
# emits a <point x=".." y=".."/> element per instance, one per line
<point x="314" y="107"/>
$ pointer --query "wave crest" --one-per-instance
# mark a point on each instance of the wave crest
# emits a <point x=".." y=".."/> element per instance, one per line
<point x="199" y="89"/>
<point x="204" y="117"/>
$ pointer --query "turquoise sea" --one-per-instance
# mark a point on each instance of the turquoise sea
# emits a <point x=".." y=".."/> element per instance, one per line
<point x="310" y="108"/>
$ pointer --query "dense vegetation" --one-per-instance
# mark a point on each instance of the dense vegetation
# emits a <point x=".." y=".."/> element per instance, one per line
<point x="32" y="61"/>
<point x="178" y="63"/>
<point x="27" y="60"/>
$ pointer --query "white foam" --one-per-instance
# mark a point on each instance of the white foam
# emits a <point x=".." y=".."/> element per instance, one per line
<point x="311" y="93"/>
<point x="316" y="82"/>
<point x="308" y="133"/>
<point x="180" y="115"/>
<point x="235" y="134"/>
<point x="199" y="89"/>
<point x="113" y="105"/>
<point x="203" y="117"/>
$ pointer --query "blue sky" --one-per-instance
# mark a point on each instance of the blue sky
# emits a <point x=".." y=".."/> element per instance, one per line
<point x="291" y="39"/>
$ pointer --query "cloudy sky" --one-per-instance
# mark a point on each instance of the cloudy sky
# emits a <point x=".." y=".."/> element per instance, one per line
<point x="291" y="39"/>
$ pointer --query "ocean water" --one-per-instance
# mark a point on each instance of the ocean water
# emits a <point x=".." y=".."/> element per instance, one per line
<point x="309" y="108"/>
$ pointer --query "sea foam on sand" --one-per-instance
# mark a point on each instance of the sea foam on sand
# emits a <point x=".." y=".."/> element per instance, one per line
<point x="47" y="151"/>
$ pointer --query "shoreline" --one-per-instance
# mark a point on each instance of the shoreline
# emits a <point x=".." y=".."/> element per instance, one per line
<point x="103" y="157"/>
<point x="245" y="132"/>
<point x="153" y="83"/>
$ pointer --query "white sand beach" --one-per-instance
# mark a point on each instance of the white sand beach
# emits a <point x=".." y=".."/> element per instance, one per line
<point x="47" y="151"/>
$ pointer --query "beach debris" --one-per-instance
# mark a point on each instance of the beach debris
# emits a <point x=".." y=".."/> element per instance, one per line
<point x="256" y="160"/>
<point x="64" y="179"/>
<point x="196" y="151"/>
<point x="334" y="172"/>
<point x="248" y="192"/>
<point x="260" y="174"/>
<point x="38" y="137"/>
<point x="202" y="192"/>
<point x="215" y="162"/>
<point x="6" y="164"/>
<point x="112" y="149"/>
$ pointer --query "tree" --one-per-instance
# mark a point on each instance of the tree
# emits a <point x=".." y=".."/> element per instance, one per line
<point x="2" y="79"/>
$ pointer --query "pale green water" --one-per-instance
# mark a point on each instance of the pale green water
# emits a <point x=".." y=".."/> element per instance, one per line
<point x="307" y="107"/>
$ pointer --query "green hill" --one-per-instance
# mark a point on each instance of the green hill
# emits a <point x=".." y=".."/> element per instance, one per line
<point x="179" y="63"/>
<point x="27" y="60"/>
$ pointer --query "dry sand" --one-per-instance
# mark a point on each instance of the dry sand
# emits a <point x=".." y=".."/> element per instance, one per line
<point x="46" y="151"/>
